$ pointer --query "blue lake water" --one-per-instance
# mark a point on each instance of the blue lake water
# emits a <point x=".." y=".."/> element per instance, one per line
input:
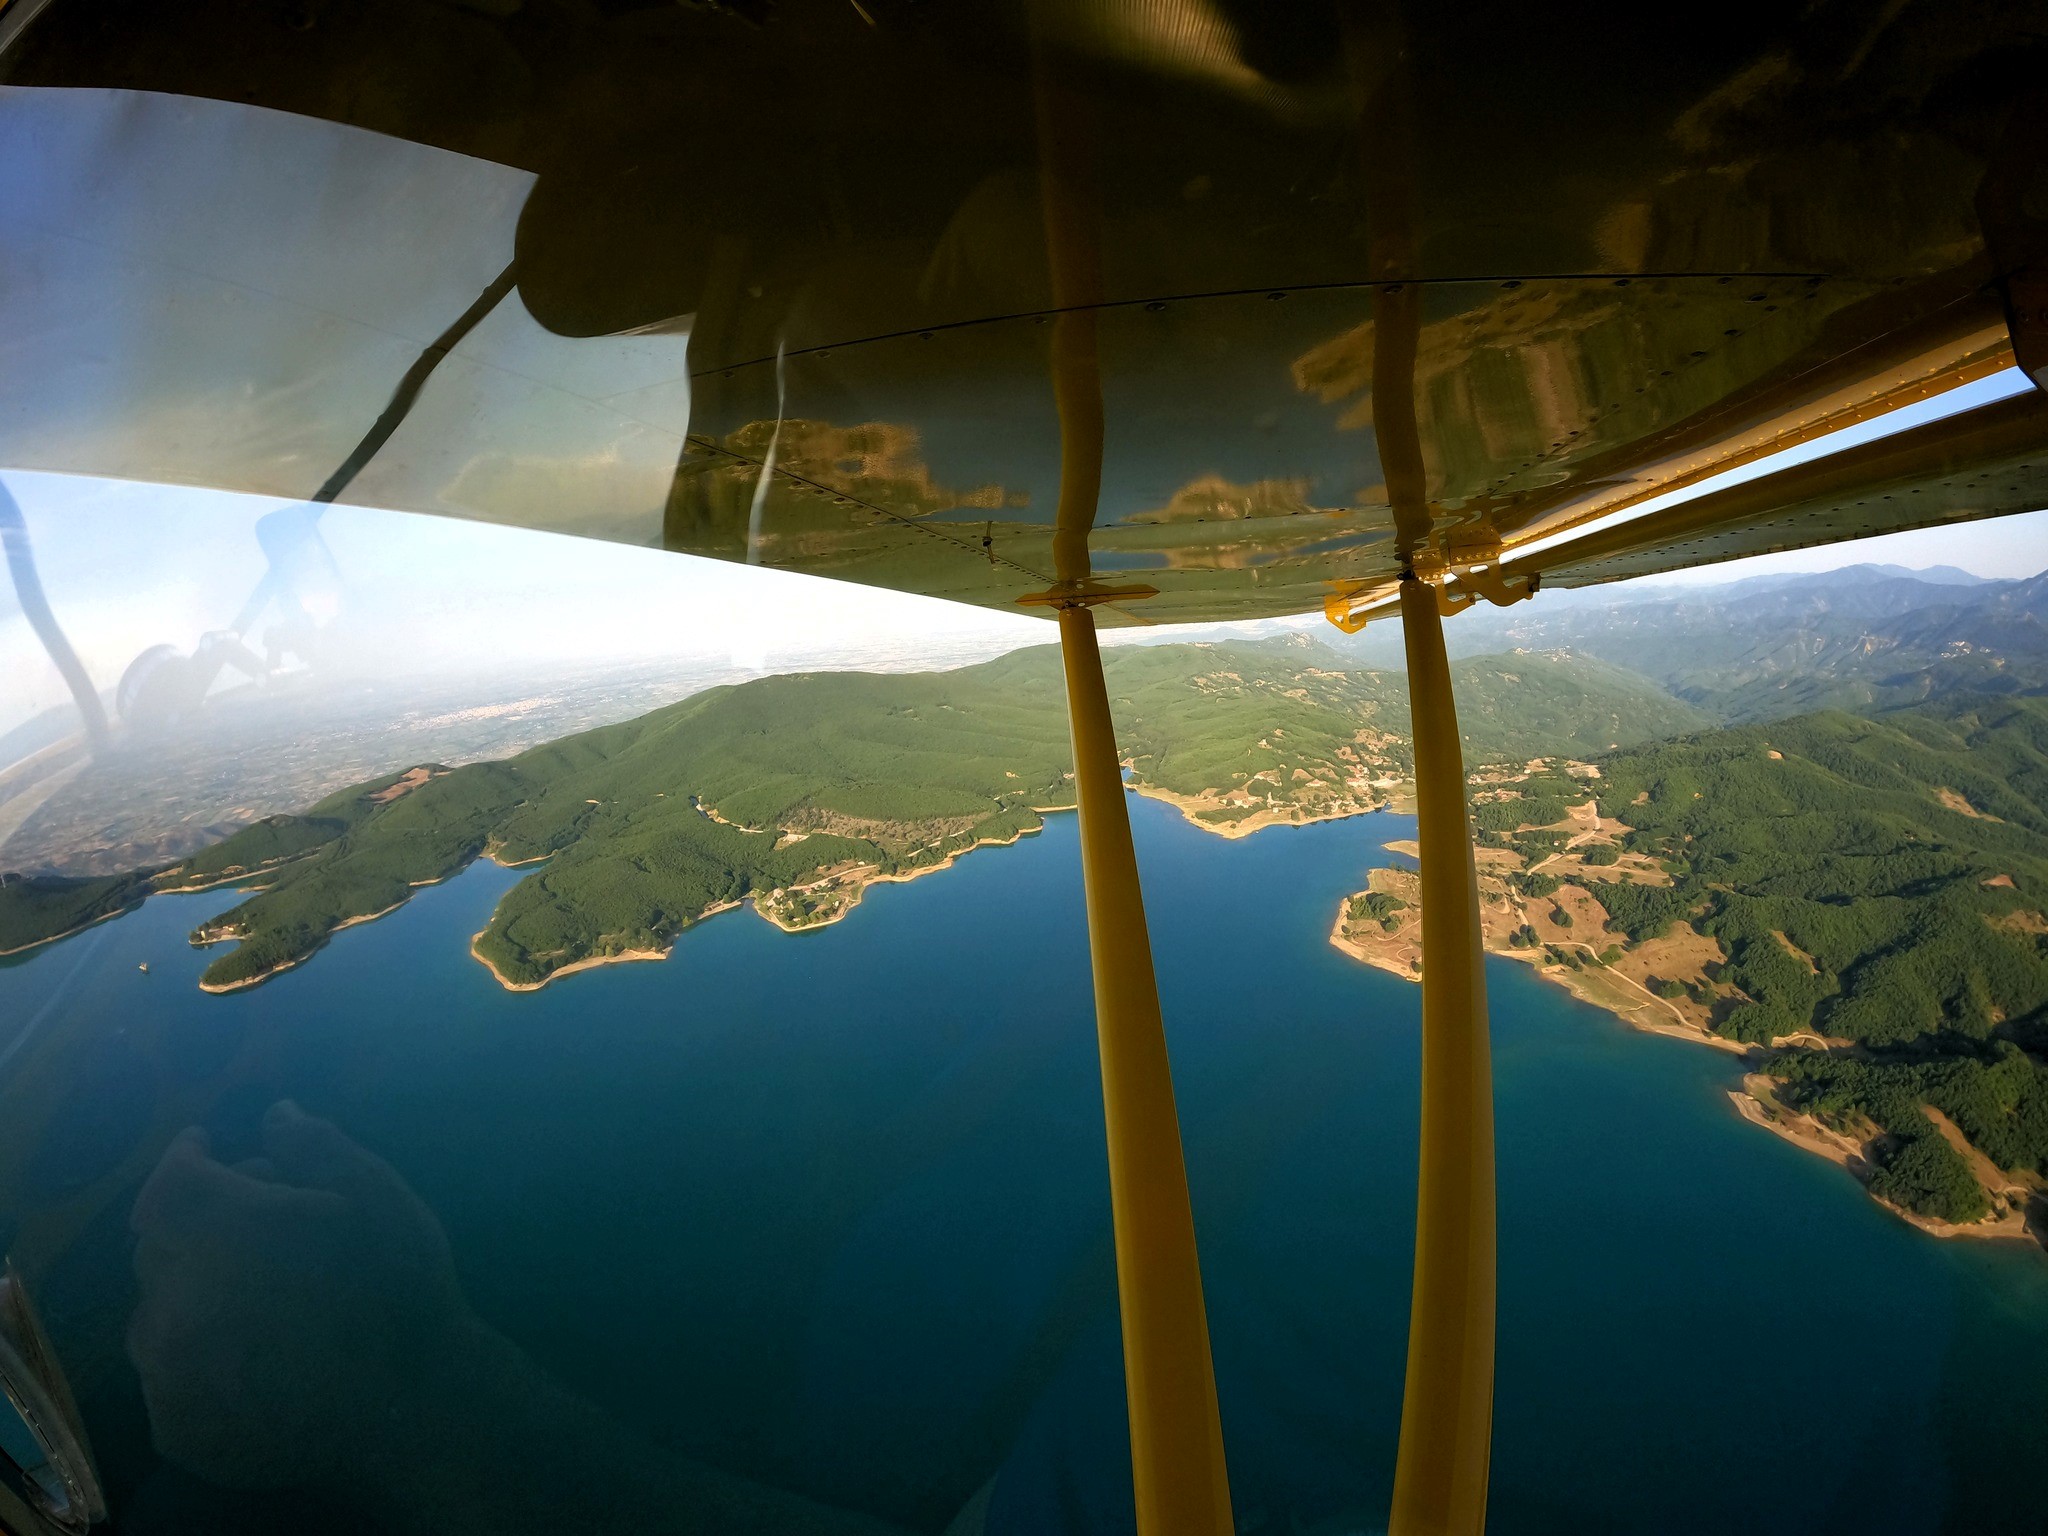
<point x="830" y="1209"/>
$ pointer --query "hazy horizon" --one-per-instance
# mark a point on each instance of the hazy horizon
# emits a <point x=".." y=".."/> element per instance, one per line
<point x="127" y="566"/>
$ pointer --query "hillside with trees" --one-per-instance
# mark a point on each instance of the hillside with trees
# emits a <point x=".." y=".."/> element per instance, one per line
<point x="1865" y="639"/>
<point x="1863" y="902"/>
<point x="794" y="792"/>
<point x="1879" y="883"/>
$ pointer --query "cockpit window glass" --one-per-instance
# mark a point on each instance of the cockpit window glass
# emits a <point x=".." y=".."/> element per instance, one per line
<point x="568" y="956"/>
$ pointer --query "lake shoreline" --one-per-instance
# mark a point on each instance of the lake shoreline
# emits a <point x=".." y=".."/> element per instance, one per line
<point x="589" y="964"/>
<point x="90" y="922"/>
<point x="1756" y="1102"/>
<point x="855" y="891"/>
<point x="1396" y="950"/>
<point x="1191" y="807"/>
<point x="898" y="877"/>
<point x="236" y="935"/>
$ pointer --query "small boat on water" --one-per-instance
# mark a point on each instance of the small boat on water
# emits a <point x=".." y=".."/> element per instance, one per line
<point x="143" y="967"/>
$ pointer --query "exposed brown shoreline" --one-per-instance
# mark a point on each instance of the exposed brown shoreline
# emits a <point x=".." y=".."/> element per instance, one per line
<point x="1190" y="806"/>
<point x="573" y="966"/>
<point x="91" y="922"/>
<point x="235" y="935"/>
<point x="1398" y="952"/>
<point x="859" y="887"/>
<point x="1757" y="1102"/>
<point x="853" y="900"/>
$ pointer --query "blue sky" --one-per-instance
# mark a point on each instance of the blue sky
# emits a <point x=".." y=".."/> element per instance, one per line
<point x="127" y="566"/>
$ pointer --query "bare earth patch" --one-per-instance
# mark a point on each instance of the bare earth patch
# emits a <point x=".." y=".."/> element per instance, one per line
<point x="1249" y="815"/>
<point x="2021" y="921"/>
<point x="1960" y="806"/>
<point x="1396" y="949"/>
<point x="411" y="780"/>
<point x="1683" y="955"/>
<point x="1796" y="952"/>
<point x="1758" y="1103"/>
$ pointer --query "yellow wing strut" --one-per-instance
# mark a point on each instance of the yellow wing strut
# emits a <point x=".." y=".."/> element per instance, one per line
<point x="1176" y="1434"/>
<point x="1447" y="1407"/>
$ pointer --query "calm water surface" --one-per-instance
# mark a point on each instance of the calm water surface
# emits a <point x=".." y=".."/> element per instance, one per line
<point x="830" y="1209"/>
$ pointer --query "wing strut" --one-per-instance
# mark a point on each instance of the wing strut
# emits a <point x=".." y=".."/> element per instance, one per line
<point x="1447" y="1406"/>
<point x="1177" y="1468"/>
<point x="1176" y="1434"/>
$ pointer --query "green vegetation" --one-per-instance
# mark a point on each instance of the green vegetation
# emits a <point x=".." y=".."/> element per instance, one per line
<point x="751" y="791"/>
<point x="1882" y="883"/>
<point x="1998" y="1099"/>
<point x="1874" y="882"/>
<point x="1376" y="906"/>
<point x="793" y="791"/>
<point x="1524" y="705"/>
<point x="1273" y="725"/>
<point x="1289" y="718"/>
<point x="37" y="908"/>
<point x="1927" y="1175"/>
<point x="388" y="848"/>
<point x="1540" y="844"/>
<point x="1522" y="811"/>
<point x="1877" y="881"/>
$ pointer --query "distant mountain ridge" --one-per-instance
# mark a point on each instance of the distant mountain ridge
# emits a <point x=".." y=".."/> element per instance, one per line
<point x="1864" y="638"/>
<point x="1939" y="575"/>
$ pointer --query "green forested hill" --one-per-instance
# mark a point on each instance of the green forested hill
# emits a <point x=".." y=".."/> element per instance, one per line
<point x="736" y="792"/>
<point x="1906" y="856"/>
<point x="1877" y="882"/>
<point x="1532" y="704"/>
<point x="1863" y="901"/>
<point x="1864" y="639"/>
<point x="37" y="908"/>
<point x="1196" y="719"/>
<point x="793" y="791"/>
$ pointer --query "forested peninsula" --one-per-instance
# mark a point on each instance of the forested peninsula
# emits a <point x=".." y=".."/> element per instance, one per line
<point x="794" y="793"/>
<point x="1854" y="904"/>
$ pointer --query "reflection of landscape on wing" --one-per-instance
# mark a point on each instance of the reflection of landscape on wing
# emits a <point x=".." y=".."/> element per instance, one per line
<point x="1211" y="524"/>
<point x="1738" y="216"/>
<point x="797" y="492"/>
<point x="1213" y="499"/>
<point x="1521" y="386"/>
<point x="1256" y="475"/>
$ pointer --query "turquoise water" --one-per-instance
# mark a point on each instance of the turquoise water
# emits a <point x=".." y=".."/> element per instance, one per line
<point x="830" y="1209"/>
